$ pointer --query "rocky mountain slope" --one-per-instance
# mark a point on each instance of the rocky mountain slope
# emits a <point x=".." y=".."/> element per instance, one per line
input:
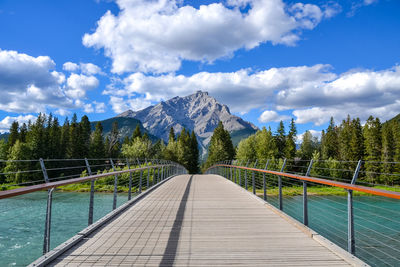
<point x="199" y="112"/>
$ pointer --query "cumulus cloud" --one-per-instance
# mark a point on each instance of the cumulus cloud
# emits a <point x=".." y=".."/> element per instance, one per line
<point x="95" y="107"/>
<point x="30" y="84"/>
<point x="120" y="105"/>
<point x="155" y="36"/>
<point x="79" y="84"/>
<point x="312" y="93"/>
<point x="85" y="68"/>
<point x="7" y="121"/>
<point x="271" y="115"/>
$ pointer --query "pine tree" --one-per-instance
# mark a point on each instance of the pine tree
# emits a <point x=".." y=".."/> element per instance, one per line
<point x="84" y="136"/>
<point x="14" y="134"/>
<point x="345" y="136"/>
<point x="373" y="148"/>
<point x="136" y="133"/>
<point x="194" y="154"/>
<point x="64" y="142"/>
<point x="280" y="138"/>
<point x="55" y="141"/>
<point x="357" y="141"/>
<point x="330" y="145"/>
<point x="221" y="147"/>
<point x="290" y="144"/>
<point x="171" y="135"/>
<point x="23" y="132"/>
<point x="97" y="145"/>
<point x="74" y="144"/>
<point x="388" y="152"/>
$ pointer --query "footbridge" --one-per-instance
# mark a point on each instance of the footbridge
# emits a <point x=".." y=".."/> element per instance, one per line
<point x="233" y="215"/>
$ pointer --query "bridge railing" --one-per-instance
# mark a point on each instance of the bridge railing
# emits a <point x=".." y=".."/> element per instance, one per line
<point x="130" y="177"/>
<point x="340" y="200"/>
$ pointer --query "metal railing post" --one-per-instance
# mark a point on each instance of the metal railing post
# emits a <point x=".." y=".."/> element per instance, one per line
<point x="230" y="168"/>
<point x="91" y="198"/>
<point x="245" y="175"/>
<point x="130" y="180"/>
<point x="47" y="226"/>
<point x="305" y="199"/>
<point x="148" y="177"/>
<point x="240" y="177"/>
<point x="140" y="181"/>
<point x="265" y="182"/>
<point x="254" y="179"/>
<point x="115" y="186"/>
<point x="280" y="186"/>
<point x="351" y="244"/>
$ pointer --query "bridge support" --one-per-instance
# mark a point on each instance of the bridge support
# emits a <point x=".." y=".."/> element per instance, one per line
<point x="305" y="199"/>
<point x="91" y="198"/>
<point x="280" y="186"/>
<point x="351" y="244"/>
<point x="265" y="182"/>
<point x="115" y="186"/>
<point x="130" y="180"/>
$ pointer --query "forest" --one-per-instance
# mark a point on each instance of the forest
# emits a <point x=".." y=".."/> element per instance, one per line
<point x="335" y="154"/>
<point x="46" y="138"/>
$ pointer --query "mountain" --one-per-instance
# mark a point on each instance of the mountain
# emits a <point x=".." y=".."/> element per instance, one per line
<point x="126" y="127"/>
<point x="4" y="136"/>
<point x="199" y="112"/>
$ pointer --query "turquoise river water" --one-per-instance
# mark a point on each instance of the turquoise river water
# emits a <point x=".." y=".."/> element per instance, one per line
<point x="377" y="223"/>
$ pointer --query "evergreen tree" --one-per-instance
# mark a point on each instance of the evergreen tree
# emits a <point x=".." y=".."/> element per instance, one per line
<point x="388" y="152"/>
<point x="357" y="141"/>
<point x="145" y="136"/>
<point x="84" y="136"/>
<point x="97" y="145"/>
<point x="14" y="134"/>
<point x="55" y="141"/>
<point x="194" y="154"/>
<point x="290" y="144"/>
<point x="280" y="138"/>
<point x="373" y="148"/>
<point x="330" y="143"/>
<point x="136" y="133"/>
<point x="23" y="132"/>
<point x="345" y="136"/>
<point x="64" y="142"/>
<point x="221" y="147"/>
<point x="19" y="151"/>
<point x="74" y="144"/>
<point x="171" y="135"/>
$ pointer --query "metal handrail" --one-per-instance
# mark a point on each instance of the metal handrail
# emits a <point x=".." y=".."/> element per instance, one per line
<point x="360" y="188"/>
<point x="39" y="187"/>
<point x="233" y="173"/>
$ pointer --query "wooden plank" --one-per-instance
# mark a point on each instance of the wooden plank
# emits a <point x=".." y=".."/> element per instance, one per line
<point x="200" y="220"/>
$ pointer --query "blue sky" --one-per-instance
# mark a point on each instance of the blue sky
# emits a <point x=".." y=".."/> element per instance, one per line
<point x="266" y="59"/>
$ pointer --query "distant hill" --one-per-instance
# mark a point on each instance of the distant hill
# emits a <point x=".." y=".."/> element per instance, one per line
<point x="199" y="112"/>
<point x="126" y="127"/>
<point x="4" y="136"/>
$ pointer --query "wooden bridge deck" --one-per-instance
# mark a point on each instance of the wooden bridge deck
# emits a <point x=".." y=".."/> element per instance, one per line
<point x="200" y="220"/>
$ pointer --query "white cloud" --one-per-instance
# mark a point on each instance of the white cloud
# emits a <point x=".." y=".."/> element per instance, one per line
<point x="95" y="107"/>
<point x="271" y="115"/>
<point x="120" y="105"/>
<point x="85" y="68"/>
<point x="7" y="121"/>
<point x="70" y="66"/>
<point x="30" y="84"/>
<point x="312" y="93"/>
<point x="78" y="84"/>
<point x="155" y="36"/>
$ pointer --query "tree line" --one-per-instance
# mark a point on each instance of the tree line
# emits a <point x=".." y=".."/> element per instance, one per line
<point x="335" y="155"/>
<point x="46" y="138"/>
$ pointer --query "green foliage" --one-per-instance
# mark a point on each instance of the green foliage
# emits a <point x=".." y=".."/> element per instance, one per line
<point x="329" y="142"/>
<point x="280" y="138"/>
<point x="139" y="148"/>
<point x="246" y="149"/>
<point x="97" y="144"/>
<point x="266" y="145"/>
<point x="137" y="133"/>
<point x="221" y="147"/>
<point x="290" y="144"/>
<point x="373" y="148"/>
<point x="19" y="151"/>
